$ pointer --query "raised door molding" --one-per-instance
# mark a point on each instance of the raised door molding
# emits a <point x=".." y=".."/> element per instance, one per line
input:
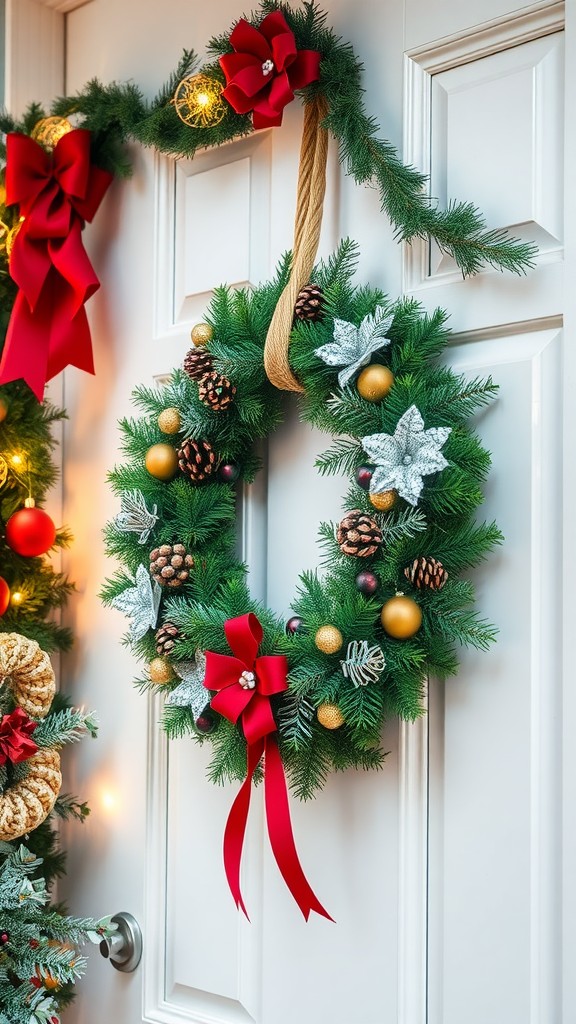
<point x="63" y="6"/>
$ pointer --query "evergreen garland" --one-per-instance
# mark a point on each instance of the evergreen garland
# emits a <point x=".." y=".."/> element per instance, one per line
<point x="118" y="112"/>
<point x="201" y="517"/>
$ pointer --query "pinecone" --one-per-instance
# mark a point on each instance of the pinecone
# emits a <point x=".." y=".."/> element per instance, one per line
<point x="216" y="391"/>
<point x="309" y="304"/>
<point x="170" y="565"/>
<point x="358" y="534"/>
<point x="426" y="572"/>
<point x="197" y="362"/>
<point x="197" y="459"/>
<point x="166" y="637"/>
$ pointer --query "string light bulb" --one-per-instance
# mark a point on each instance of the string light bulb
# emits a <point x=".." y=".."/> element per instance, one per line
<point x="17" y="598"/>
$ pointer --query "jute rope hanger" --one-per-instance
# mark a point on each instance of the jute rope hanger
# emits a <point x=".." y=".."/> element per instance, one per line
<point x="307" y="224"/>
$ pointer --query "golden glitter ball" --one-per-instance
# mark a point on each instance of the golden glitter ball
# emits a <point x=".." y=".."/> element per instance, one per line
<point x="401" y="617"/>
<point x="374" y="382"/>
<point x="198" y="101"/>
<point x="169" y="421"/>
<point x="202" y="334"/>
<point x="330" y="716"/>
<point x="50" y="130"/>
<point x="384" y="500"/>
<point x="3" y="409"/>
<point x="161" y="461"/>
<point x="160" y="671"/>
<point x="328" y="639"/>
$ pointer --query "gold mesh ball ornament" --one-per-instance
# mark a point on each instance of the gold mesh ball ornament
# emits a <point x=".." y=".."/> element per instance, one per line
<point x="328" y="639"/>
<point x="198" y="101"/>
<point x="383" y="500"/>
<point x="49" y="130"/>
<point x="330" y="716"/>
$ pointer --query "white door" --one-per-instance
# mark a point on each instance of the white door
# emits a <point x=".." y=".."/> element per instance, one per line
<point x="443" y="872"/>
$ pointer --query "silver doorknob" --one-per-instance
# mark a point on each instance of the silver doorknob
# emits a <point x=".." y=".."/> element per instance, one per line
<point x="124" y="947"/>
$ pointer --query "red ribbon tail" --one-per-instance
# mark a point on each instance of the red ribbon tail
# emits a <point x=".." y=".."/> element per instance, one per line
<point x="281" y="835"/>
<point x="25" y="354"/>
<point x="236" y="826"/>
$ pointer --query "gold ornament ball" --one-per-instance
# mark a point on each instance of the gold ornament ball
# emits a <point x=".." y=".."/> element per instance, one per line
<point x="328" y="639"/>
<point x="201" y="334"/>
<point x="169" y="421"/>
<point x="3" y="409"/>
<point x="384" y="500"/>
<point x="330" y="716"/>
<point x="401" y="617"/>
<point x="162" y="461"/>
<point x="160" y="671"/>
<point x="49" y="130"/>
<point x="374" y="382"/>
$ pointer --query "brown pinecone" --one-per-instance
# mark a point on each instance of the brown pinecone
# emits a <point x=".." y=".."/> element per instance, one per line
<point x="170" y="565"/>
<point x="358" y="534"/>
<point x="426" y="572"/>
<point x="216" y="391"/>
<point x="310" y="303"/>
<point x="197" y="459"/>
<point x="197" y="362"/>
<point x="166" y="637"/>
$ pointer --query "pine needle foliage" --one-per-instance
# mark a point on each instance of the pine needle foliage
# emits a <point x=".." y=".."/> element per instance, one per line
<point x="118" y="112"/>
<point x="442" y="525"/>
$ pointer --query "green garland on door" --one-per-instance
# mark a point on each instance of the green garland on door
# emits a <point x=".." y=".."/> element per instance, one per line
<point x="351" y="664"/>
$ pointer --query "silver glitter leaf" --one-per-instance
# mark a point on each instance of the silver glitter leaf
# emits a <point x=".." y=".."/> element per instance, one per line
<point x="363" y="664"/>
<point x="191" y="692"/>
<point x="403" y="458"/>
<point x="140" y="603"/>
<point x="135" y="517"/>
<point x="353" y="346"/>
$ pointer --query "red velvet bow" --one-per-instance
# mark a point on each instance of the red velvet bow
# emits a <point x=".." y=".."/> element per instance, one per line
<point x="15" y="742"/>
<point x="266" y="69"/>
<point x="244" y="685"/>
<point x="56" y="193"/>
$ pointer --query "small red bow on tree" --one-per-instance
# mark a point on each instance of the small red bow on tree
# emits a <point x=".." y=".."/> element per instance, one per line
<point x="15" y="732"/>
<point x="244" y="685"/>
<point x="57" y="193"/>
<point x="266" y="69"/>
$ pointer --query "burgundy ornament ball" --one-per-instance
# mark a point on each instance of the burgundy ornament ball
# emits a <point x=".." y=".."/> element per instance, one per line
<point x="364" y="476"/>
<point x="229" y="472"/>
<point x="30" y="532"/>
<point x="206" y="722"/>
<point x="294" y="625"/>
<point x="4" y="595"/>
<point x="367" y="583"/>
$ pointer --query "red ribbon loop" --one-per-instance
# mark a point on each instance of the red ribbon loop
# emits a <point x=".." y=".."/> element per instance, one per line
<point x="244" y="685"/>
<point x="57" y="194"/>
<point x="15" y="742"/>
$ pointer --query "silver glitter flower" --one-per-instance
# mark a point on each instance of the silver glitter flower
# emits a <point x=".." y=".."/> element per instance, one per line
<point x="407" y="455"/>
<point x="134" y="516"/>
<point x="191" y="692"/>
<point x="363" y="664"/>
<point x="353" y="346"/>
<point x="140" y="603"/>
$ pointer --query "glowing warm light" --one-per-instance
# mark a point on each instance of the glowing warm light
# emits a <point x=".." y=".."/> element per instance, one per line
<point x="17" y="598"/>
<point x="16" y="460"/>
<point x="203" y="99"/>
<point x="108" y="799"/>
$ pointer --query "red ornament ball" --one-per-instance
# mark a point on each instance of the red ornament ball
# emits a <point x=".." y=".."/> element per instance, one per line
<point x="367" y="583"/>
<point x="30" y="532"/>
<point x="205" y="722"/>
<point x="364" y="476"/>
<point x="4" y="595"/>
<point x="229" y="472"/>
<point x="294" y="625"/>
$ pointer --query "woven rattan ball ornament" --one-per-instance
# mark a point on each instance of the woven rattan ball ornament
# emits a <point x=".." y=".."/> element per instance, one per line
<point x="374" y="382"/>
<point x="198" y="101"/>
<point x="202" y="334"/>
<point x="384" y="500"/>
<point x="426" y="572"/>
<point x="401" y="617"/>
<point x="328" y="639"/>
<point x="330" y="716"/>
<point x="216" y="391"/>
<point x="170" y="565"/>
<point x="197" y="362"/>
<point x="169" y="421"/>
<point x="358" y="535"/>
<point x="197" y="459"/>
<point x="160" y="671"/>
<point x="161" y="461"/>
<point x="49" y="130"/>
<point x="309" y="303"/>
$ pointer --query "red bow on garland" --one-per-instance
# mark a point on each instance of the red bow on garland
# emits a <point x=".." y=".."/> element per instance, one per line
<point x="57" y="193"/>
<point x="15" y="742"/>
<point x="244" y="685"/>
<point x="266" y="69"/>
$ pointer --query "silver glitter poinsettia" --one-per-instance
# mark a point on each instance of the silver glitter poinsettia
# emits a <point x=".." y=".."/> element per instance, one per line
<point x="353" y="346"/>
<point x="406" y="456"/>
<point x="140" y="603"/>
<point x="363" y="664"/>
<point x="191" y="692"/>
<point x="134" y="516"/>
